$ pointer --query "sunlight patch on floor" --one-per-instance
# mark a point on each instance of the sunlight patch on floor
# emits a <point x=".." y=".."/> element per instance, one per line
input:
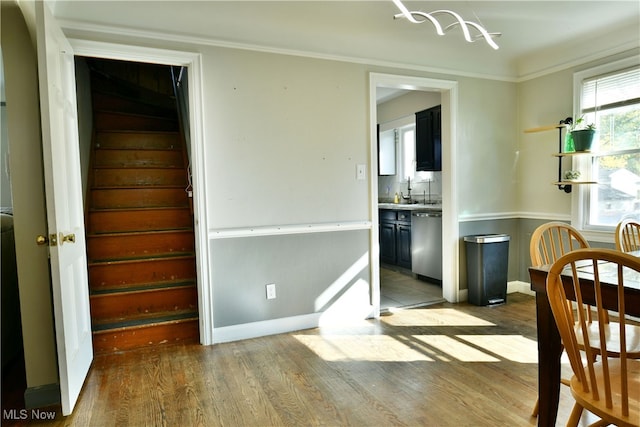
<point x="515" y="348"/>
<point x="444" y="348"/>
<point x="455" y="349"/>
<point x="374" y="348"/>
<point x="435" y="317"/>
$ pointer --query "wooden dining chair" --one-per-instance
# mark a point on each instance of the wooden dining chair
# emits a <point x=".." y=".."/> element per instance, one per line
<point x="548" y="243"/>
<point x="607" y="384"/>
<point x="552" y="240"/>
<point x="628" y="235"/>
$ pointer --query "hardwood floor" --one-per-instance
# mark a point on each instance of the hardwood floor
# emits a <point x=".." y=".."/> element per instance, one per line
<point x="400" y="289"/>
<point x="441" y="365"/>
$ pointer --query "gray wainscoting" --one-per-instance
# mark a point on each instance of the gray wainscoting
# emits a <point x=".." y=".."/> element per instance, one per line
<point x="313" y="272"/>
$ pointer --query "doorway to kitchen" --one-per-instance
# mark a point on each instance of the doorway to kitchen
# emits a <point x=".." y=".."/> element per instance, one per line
<point x="410" y="199"/>
<point x="386" y="279"/>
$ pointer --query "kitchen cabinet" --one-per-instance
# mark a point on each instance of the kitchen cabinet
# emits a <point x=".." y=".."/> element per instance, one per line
<point x="395" y="237"/>
<point x="429" y="139"/>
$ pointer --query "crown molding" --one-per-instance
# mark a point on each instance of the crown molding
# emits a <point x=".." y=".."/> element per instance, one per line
<point x="78" y="30"/>
<point x="625" y="47"/>
<point x="532" y="66"/>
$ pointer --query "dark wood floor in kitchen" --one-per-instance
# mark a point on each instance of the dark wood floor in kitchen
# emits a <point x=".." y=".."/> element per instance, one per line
<point x="441" y="365"/>
<point x="399" y="288"/>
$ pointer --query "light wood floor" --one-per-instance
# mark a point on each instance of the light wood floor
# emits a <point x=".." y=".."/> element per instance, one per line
<point x="441" y="365"/>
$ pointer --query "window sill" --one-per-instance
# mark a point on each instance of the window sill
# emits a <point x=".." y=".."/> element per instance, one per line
<point x="599" y="236"/>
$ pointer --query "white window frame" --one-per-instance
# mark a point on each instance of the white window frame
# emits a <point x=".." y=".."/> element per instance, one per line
<point x="403" y="142"/>
<point x="580" y="198"/>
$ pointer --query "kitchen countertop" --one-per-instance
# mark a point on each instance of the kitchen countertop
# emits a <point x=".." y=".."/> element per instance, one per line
<point x="411" y="206"/>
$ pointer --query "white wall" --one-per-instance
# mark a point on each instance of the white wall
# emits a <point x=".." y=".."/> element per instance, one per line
<point x="407" y="105"/>
<point x="283" y="137"/>
<point x="487" y="148"/>
<point x="543" y="101"/>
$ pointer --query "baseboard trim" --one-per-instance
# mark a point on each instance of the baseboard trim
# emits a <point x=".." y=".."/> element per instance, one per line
<point x="518" y="286"/>
<point x="276" y="326"/>
<point x="264" y="328"/>
<point x="42" y="396"/>
<point x="313" y="320"/>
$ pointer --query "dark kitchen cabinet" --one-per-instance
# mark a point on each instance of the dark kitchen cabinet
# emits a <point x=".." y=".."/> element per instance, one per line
<point x="395" y="237"/>
<point x="387" y="242"/>
<point x="429" y="139"/>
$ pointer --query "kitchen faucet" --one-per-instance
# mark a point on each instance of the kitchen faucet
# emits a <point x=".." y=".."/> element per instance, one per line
<point x="408" y="196"/>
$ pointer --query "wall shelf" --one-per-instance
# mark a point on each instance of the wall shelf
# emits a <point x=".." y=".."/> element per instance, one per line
<point x="573" y="182"/>
<point x="572" y="153"/>
<point x="564" y="185"/>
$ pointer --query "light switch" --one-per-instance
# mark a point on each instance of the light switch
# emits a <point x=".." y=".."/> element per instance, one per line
<point x="361" y="172"/>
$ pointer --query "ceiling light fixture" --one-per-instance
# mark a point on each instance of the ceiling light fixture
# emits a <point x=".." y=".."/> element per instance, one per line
<point x="417" y="17"/>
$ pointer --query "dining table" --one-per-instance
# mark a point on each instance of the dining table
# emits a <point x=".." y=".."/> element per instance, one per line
<point x="549" y="343"/>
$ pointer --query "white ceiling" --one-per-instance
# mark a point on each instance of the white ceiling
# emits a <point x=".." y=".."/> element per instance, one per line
<point x="537" y="36"/>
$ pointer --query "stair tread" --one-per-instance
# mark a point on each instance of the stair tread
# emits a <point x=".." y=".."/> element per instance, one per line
<point x="137" y="208"/>
<point x="125" y="113"/>
<point x="142" y="258"/>
<point x="141" y="232"/>
<point x="144" y="287"/>
<point x="142" y="320"/>
<point x="138" y="187"/>
<point x="146" y="149"/>
<point x="139" y="131"/>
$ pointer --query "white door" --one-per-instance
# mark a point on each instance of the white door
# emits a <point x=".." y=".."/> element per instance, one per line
<point x="65" y="216"/>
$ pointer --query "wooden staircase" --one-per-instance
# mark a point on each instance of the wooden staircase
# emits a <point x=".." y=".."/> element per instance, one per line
<point x="140" y="238"/>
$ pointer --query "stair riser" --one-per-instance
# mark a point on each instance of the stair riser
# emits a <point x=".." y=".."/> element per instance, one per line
<point x="156" y="92"/>
<point x="139" y="220"/>
<point x="128" y="339"/>
<point x="139" y="140"/>
<point x="116" y="121"/>
<point x="138" y="159"/>
<point x="107" y="102"/>
<point x="138" y="198"/>
<point x="126" y="304"/>
<point x="138" y="177"/>
<point x="127" y="246"/>
<point x="113" y="275"/>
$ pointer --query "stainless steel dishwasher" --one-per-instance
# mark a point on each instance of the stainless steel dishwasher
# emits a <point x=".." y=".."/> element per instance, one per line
<point x="426" y="244"/>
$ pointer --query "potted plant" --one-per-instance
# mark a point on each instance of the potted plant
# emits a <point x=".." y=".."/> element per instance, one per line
<point x="582" y="134"/>
<point x="571" y="175"/>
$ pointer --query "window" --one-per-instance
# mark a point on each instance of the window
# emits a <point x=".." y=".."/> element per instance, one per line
<point x="401" y="133"/>
<point x="609" y="97"/>
<point x="407" y="159"/>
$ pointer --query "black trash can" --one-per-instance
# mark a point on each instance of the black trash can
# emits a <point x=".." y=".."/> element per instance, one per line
<point x="487" y="265"/>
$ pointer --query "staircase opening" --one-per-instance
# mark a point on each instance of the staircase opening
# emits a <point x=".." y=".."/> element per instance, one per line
<point x="138" y="206"/>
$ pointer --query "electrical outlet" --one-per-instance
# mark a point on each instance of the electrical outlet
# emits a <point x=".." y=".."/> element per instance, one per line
<point x="271" y="291"/>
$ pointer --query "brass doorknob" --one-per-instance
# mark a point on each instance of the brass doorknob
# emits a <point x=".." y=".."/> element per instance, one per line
<point x="42" y="240"/>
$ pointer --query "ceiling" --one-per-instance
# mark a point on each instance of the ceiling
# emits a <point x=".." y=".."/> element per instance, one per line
<point x="537" y="36"/>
